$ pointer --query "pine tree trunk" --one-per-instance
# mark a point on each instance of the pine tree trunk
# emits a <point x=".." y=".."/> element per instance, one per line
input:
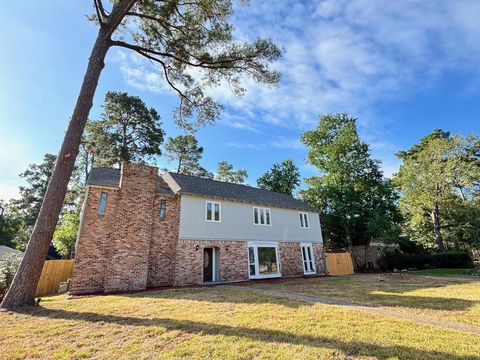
<point x="437" y="229"/>
<point x="22" y="291"/>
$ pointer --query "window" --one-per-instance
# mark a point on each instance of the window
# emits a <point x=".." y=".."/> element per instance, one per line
<point x="102" y="206"/>
<point x="263" y="260"/>
<point x="163" y="209"/>
<point x="308" y="259"/>
<point x="304" y="220"/>
<point x="261" y="216"/>
<point x="212" y="211"/>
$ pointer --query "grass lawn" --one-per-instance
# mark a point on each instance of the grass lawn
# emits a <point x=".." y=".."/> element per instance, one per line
<point x="444" y="272"/>
<point x="219" y="323"/>
<point x="443" y="298"/>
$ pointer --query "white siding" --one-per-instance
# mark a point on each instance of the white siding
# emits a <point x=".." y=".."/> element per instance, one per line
<point x="237" y="223"/>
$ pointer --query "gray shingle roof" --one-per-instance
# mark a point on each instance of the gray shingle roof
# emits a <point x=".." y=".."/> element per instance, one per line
<point x="6" y="251"/>
<point x="213" y="188"/>
<point x="104" y="177"/>
<point x="206" y="187"/>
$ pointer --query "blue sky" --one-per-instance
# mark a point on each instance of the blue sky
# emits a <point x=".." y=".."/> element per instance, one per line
<point x="402" y="68"/>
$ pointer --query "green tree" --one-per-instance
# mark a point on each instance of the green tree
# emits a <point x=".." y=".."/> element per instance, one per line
<point x="438" y="179"/>
<point x="65" y="234"/>
<point x="11" y="225"/>
<point x="31" y="196"/>
<point x="283" y="177"/>
<point x="179" y="37"/>
<point x="185" y="150"/>
<point x="128" y="131"/>
<point x="226" y="173"/>
<point x="357" y="205"/>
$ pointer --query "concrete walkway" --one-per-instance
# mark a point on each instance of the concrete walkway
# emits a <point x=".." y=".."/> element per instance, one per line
<point x="377" y="311"/>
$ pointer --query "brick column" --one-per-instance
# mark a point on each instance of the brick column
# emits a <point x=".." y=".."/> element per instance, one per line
<point x="129" y="248"/>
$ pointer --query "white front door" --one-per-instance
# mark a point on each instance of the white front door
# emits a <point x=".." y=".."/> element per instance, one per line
<point x="308" y="259"/>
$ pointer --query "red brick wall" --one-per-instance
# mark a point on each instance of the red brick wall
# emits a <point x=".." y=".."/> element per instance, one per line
<point x="130" y="246"/>
<point x="319" y="254"/>
<point x="163" y="242"/>
<point x="189" y="261"/>
<point x="92" y="251"/>
<point x="291" y="258"/>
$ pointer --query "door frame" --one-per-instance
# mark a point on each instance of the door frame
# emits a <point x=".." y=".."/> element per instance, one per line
<point x="308" y="245"/>
<point x="214" y="263"/>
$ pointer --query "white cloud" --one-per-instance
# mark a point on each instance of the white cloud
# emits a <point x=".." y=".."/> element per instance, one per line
<point x="345" y="56"/>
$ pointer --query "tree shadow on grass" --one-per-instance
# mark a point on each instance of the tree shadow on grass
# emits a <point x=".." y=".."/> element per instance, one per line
<point x="219" y="295"/>
<point x="350" y="348"/>
<point x="421" y="302"/>
<point x="378" y="290"/>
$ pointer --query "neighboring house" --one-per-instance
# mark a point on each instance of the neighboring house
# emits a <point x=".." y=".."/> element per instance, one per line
<point x="6" y="251"/>
<point x="141" y="230"/>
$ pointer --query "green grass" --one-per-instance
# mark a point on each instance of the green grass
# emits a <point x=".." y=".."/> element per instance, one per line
<point x="443" y="272"/>
<point x="218" y="323"/>
<point x="443" y="298"/>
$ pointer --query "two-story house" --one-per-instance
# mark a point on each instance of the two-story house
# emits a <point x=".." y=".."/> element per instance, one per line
<point x="139" y="230"/>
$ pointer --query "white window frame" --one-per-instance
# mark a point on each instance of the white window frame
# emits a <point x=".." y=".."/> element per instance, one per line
<point x="255" y="246"/>
<point x="213" y="211"/>
<point x="304" y="220"/>
<point x="259" y="212"/>
<point x="311" y="261"/>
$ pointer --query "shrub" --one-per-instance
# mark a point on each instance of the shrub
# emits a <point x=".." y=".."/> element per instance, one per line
<point x="451" y="259"/>
<point x="8" y="268"/>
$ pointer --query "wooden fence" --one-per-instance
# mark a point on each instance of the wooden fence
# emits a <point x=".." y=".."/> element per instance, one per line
<point x="53" y="273"/>
<point x="339" y="264"/>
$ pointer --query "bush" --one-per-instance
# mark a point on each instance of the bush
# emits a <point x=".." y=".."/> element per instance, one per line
<point x="451" y="259"/>
<point x="8" y="268"/>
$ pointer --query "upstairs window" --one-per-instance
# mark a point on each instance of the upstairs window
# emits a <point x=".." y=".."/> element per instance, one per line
<point x="163" y="209"/>
<point x="213" y="210"/>
<point x="261" y="216"/>
<point x="102" y="205"/>
<point x="304" y="220"/>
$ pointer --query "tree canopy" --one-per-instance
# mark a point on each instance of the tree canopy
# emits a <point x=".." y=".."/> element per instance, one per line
<point x="226" y="173"/>
<point x="356" y="203"/>
<point x="127" y="131"/>
<point x="282" y="177"/>
<point x="185" y="150"/>
<point x="439" y="180"/>
<point x="65" y="234"/>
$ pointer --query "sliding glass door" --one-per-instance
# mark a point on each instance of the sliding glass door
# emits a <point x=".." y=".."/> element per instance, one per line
<point x="263" y="260"/>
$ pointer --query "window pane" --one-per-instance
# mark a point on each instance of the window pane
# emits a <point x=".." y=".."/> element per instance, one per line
<point x="255" y="215"/>
<point x="102" y="206"/>
<point x="306" y="220"/>
<point x="217" y="212"/>
<point x="252" y="270"/>
<point x="251" y="258"/>
<point x="267" y="260"/>
<point x="301" y="220"/>
<point x="262" y="216"/>
<point x="209" y="211"/>
<point x="267" y="215"/>
<point x="163" y="208"/>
